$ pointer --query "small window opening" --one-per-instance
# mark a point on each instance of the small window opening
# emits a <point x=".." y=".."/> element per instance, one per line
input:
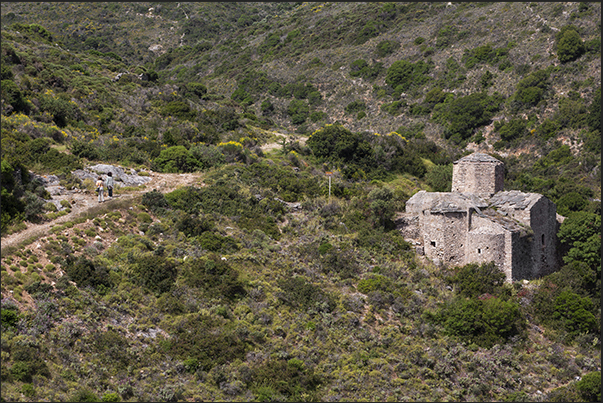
<point x="433" y="243"/>
<point x="542" y="240"/>
<point x="479" y="250"/>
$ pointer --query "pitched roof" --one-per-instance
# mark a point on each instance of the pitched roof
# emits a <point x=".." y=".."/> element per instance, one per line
<point x="478" y="157"/>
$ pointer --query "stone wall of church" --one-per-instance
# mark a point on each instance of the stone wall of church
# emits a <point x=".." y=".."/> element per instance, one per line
<point x="481" y="178"/>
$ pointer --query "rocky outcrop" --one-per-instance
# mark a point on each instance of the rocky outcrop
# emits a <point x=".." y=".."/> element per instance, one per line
<point x="120" y="176"/>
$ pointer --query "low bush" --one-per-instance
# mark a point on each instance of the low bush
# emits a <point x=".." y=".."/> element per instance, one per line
<point x="204" y="341"/>
<point x="86" y="273"/>
<point x="300" y="294"/>
<point x="214" y="276"/>
<point x="155" y="273"/>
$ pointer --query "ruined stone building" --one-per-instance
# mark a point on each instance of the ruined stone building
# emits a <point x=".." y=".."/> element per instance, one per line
<point x="479" y="222"/>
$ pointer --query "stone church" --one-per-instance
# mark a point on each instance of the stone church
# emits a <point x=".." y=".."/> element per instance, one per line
<point x="479" y="222"/>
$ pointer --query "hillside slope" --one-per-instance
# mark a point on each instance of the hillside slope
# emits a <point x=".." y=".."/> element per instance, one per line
<point x="242" y="271"/>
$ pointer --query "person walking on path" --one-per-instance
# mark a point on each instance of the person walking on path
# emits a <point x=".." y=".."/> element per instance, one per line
<point x="109" y="184"/>
<point x="100" y="189"/>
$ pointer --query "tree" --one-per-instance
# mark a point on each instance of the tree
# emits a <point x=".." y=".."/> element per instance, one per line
<point x="381" y="205"/>
<point x="569" y="44"/>
<point x="465" y="114"/>
<point x="573" y="313"/>
<point x="439" y="177"/>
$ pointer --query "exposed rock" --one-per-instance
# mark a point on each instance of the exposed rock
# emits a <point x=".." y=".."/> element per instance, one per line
<point x="120" y="176"/>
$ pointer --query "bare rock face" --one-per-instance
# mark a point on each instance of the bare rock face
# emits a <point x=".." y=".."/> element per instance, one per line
<point x="120" y="176"/>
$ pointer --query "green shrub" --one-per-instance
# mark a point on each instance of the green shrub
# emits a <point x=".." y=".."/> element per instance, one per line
<point x="355" y="107"/>
<point x="402" y="75"/>
<point x="28" y="390"/>
<point x="589" y="387"/>
<point x="176" y="159"/>
<point x="178" y="109"/>
<point x="289" y="379"/>
<point x="207" y="340"/>
<point x="473" y="280"/>
<point x="83" y="395"/>
<point x="155" y="201"/>
<point x="484" y="322"/>
<point x="467" y="113"/>
<point x="85" y="273"/>
<point x="439" y="177"/>
<point x="154" y="273"/>
<point x="574" y="314"/>
<point x="144" y="217"/>
<point x="387" y="47"/>
<point x="10" y="316"/>
<point x="217" y="243"/>
<point x="569" y="44"/>
<point x="215" y="277"/>
<point x="301" y="294"/>
<point x="515" y="128"/>
<point x="110" y="397"/>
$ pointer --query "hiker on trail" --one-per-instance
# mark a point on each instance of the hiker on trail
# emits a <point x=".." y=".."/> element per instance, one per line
<point x="109" y="184"/>
<point x="99" y="189"/>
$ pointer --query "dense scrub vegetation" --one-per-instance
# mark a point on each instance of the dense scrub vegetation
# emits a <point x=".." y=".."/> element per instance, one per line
<point x="272" y="282"/>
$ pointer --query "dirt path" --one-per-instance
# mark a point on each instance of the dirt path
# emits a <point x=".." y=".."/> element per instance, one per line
<point x="82" y="202"/>
<point x="273" y="146"/>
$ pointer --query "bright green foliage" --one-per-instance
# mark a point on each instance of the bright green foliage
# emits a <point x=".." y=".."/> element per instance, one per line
<point x="110" y="397"/>
<point x="573" y="313"/>
<point x="531" y="90"/>
<point x="176" y="159"/>
<point x="484" y="322"/>
<point x="402" y="75"/>
<point x="439" y="177"/>
<point x="380" y="283"/>
<point x="473" y="280"/>
<point x="569" y="44"/>
<point x="581" y="232"/>
<point x="465" y="114"/>
<point x="589" y="387"/>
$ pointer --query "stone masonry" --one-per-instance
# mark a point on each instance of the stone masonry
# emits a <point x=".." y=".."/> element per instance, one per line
<point x="479" y="222"/>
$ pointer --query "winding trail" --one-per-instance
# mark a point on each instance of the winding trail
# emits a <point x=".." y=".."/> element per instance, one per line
<point x="84" y="201"/>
